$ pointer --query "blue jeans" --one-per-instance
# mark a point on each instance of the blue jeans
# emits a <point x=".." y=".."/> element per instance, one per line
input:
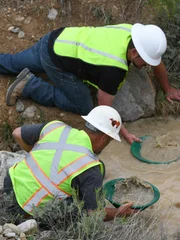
<point x="68" y="92"/>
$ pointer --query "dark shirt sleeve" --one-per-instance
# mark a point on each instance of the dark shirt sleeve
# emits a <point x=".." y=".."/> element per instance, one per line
<point x="110" y="78"/>
<point x="87" y="184"/>
<point x="30" y="133"/>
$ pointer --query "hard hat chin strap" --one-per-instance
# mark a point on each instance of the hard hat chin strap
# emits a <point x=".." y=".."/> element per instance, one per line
<point x="91" y="127"/>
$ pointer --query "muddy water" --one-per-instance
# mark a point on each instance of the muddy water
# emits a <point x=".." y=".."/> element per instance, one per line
<point x="166" y="177"/>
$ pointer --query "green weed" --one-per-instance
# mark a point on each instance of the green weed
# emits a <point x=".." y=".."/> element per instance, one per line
<point x="102" y="14"/>
<point x="6" y="132"/>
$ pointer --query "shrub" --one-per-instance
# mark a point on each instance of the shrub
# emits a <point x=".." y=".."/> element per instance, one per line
<point x="167" y="16"/>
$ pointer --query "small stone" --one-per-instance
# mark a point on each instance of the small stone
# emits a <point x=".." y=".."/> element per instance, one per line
<point x="11" y="28"/>
<point x="19" y="18"/>
<point x="10" y="235"/>
<point x="28" y="20"/>
<point x="52" y="14"/>
<point x="9" y="38"/>
<point x="21" y="34"/>
<point x="11" y="226"/>
<point x="10" y="112"/>
<point x="22" y="236"/>
<point x="19" y="106"/>
<point x="29" y="112"/>
<point x="15" y="30"/>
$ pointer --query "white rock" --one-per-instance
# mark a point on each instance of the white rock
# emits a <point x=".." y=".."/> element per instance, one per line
<point x="1" y="229"/>
<point x="7" y="159"/>
<point x="6" y="231"/>
<point x="21" y="34"/>
<point x="52" y="14"/>
<point x="28" y="227"/>
<point x="29" y="112"/>
<point x="10" y="235"/>
<point x="11" y="226"/>
<point x="10" y="28"/>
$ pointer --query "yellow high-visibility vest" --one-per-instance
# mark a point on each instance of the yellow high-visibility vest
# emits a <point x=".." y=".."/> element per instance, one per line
<point x="103" y="46"/>
<point x="61" y="154"/>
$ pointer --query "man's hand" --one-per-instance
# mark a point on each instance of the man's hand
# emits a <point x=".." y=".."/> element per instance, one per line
<point x="129" y="137"/>
<point x="173" y="94"/>
<point x="125" y="210"/>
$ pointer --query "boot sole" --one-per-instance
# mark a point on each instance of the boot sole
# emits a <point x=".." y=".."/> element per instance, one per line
<point x="14" y="84"/>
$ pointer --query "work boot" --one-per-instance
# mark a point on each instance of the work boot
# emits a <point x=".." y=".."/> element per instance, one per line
<point x="15" y="89"/>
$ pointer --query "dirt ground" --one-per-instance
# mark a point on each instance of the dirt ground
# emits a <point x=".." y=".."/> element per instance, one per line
<point x="70" y="13"/>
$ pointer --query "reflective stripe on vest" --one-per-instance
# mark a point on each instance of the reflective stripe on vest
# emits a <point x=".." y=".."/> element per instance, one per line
<point x="64" y="146"/>
<point x="50" y="128"/>
<point x="118" y="27"/>
<point x="93" y="50"/>
<point x="35" y="199"/>
<point x="50" y="185"/>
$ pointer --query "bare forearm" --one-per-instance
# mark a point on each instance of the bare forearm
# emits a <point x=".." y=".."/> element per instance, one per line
<point x="123" y="131"/>
<point x="110" y="214"/>
<point x="105" y="98"/>
<point x="17" y="136"/>
<point x="162" y="77"/>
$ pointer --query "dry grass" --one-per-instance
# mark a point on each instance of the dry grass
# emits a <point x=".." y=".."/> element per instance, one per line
<point x="164" y="108"/>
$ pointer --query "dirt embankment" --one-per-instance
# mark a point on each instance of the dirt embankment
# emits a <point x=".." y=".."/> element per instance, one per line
<point x="70" y="13"/>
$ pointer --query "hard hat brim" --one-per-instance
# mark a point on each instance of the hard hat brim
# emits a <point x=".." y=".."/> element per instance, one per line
<point x="136" y="31"/>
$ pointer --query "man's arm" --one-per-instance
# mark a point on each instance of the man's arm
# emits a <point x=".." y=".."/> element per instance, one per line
<point x="26" y="136"/>
<point x="89" y="185"/>
<point x="162" y="77"/>
<point x="123" y="211"/>
<point x="17" y="136"/>
<point x="107" y="99"/>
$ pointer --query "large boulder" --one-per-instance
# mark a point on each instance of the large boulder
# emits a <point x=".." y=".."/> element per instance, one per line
<point x="8" y="159"/>
<point x="136" y="98"/>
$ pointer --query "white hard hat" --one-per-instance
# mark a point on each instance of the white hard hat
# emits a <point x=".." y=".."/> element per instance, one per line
<point x="150" y="42"/>
<point x="105" y="119"/>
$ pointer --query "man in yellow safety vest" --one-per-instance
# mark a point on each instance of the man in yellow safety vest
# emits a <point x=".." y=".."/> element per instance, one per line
<point x="100" y="56"/>
<point x="62" y="158"/>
